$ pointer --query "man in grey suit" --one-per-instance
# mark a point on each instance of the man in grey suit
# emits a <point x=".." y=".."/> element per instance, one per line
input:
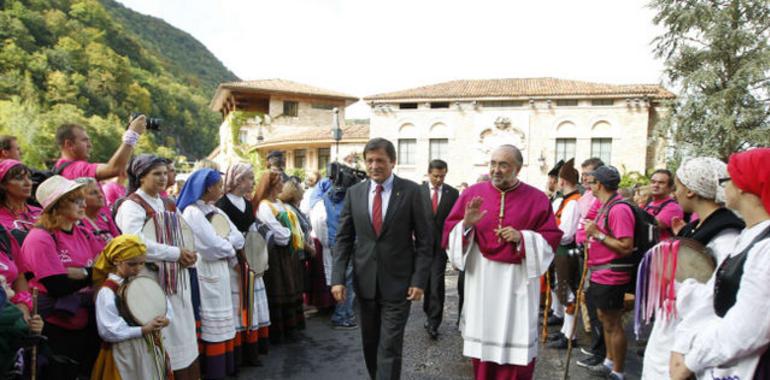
<point x="439" y="198"/>
<point x="385" y="229"/>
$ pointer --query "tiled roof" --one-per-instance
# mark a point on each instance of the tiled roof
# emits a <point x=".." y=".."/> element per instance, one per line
<point x="354" y="131"/>
<point x="521" y="88"/>
<point x="285" y="86"/>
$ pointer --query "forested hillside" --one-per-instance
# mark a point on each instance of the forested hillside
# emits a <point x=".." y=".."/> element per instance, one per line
<point x="94" y="63"/>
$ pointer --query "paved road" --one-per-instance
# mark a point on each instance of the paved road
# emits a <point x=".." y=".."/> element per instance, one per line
<point x="322" y="353"/>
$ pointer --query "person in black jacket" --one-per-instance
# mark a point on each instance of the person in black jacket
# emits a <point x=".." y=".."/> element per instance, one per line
<point x="385" y="229"/>
<point x="439" y="198"/>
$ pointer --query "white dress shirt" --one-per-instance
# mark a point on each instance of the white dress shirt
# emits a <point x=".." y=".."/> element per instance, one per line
<point x="387" y="189"/>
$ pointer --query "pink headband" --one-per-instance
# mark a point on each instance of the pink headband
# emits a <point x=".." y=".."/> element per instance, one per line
<point x="6" y="166"/>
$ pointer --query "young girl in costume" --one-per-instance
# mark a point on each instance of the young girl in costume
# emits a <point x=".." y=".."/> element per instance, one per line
<point x="129" y="351"/>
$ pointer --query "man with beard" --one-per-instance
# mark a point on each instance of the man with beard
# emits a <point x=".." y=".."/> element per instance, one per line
<point x="501" y="232"/>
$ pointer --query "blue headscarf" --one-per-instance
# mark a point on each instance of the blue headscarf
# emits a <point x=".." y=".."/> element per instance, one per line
<point x="319" y="190"/>
<point x="196" y="186"/>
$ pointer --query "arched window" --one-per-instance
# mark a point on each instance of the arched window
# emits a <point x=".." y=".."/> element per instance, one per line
<point x="439" y="142"/>
<point x="566" y="141"/>
<point x="407" y="144"/>
<point x="601" y="141"/>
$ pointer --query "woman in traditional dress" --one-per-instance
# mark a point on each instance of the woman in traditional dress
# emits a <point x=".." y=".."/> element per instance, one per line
<point x="15" y="189"/>
<point x="239" y="183"/>
<point x="170" y="264"/>
<point x="217" y="253"/>
<point x="129" y="351"/>
<point x="97" y="221"/>
<point x="317" y="296"/>
<point x="697" y="190"/>
<point x="59" y="254"/>
<point x="283" y="277"/>
<point x="731" y="332"/>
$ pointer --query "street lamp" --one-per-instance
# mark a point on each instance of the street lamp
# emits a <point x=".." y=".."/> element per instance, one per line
<point x="336" y="130"/>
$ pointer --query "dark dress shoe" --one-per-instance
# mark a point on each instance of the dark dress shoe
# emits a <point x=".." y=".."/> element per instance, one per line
<point x="433" y="332"/>
<point x="554" y="320"/>
<point x="560" y="344"/>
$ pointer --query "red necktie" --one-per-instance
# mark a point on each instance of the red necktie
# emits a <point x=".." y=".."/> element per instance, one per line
<point x="434" y="199"/>
<point x="377" y="210"/>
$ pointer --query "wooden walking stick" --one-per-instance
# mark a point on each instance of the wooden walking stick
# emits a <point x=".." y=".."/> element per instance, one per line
<point x="547" y="306"/>
<point x="33" y="360"/>
<point x="577" y="310"/>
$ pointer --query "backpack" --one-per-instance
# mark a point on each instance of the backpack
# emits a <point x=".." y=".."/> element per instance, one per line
<point x="646" y="235"/>
<point x="39" y="176"/>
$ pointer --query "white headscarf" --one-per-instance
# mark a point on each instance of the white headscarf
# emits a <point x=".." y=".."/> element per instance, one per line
<point x="701" y="175"/>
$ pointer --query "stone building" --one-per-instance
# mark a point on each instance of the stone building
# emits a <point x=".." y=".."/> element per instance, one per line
<point x="262" y="116"/>
<point x="548" y="119"/>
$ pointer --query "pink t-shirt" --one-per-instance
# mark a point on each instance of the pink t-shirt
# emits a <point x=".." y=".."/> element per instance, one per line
<point x="588" y="210"/>
<point x="45" y="256"/>
<point x="103" y="228"/>
<point x="112" y="192"/>
<point x="7" y="217"/>
<point x="621" y="225"/>
<point x="665" y="215"/>
<point x="8" y="268"/>
<point x="77" y="169"/>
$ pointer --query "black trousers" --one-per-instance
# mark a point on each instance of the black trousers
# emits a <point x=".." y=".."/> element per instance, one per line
<point x="460" y="294"/>
<point x="382" y="333"/>
<point x="433" y="303"/>
<point x="597" y="331"/>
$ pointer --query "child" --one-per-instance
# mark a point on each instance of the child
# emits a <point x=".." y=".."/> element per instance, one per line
<point x="128" y="352"/>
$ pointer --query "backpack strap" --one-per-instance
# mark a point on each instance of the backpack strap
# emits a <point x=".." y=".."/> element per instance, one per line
<point x="60" y="169"/>
<point x="657" y="209"/>
<point x="606" y="210"/>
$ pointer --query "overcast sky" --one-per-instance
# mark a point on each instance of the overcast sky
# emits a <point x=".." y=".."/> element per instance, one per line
<point x="364" y="47"/>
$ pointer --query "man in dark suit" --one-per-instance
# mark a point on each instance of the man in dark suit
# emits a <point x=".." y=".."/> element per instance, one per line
<point x="439" y="198"/>
<point x="384" y="228"/>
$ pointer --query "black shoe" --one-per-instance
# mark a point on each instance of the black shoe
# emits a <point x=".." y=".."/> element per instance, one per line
<point x="433" y="332"/>
<point x="554" y="337"/>
<point x="554" y="320"/>
<point x="560" y="344"/>
<point x="589" y="361"/>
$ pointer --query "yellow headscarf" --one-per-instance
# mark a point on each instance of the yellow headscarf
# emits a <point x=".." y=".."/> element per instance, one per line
<point x="121" y="248"/>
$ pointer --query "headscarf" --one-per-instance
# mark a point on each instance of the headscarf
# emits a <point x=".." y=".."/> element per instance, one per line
<point x="121" y="248"/>
<point x="6" y="166"/>
<point x="235" y="174"/>
<point x="750" y="172"/>
<point x="138" y="168"/>
<point x="196" y="186"/>
<point x="701" y="175"/>
<point x="319" y="190"/>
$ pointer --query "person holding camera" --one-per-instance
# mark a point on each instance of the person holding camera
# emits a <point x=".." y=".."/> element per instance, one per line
<point x="75" y="146"/>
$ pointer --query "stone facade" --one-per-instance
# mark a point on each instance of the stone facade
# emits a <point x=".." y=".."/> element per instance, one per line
<point x="617" y="127"/>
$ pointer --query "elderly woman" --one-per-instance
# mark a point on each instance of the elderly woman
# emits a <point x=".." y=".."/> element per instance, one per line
<point x="283" y="278"/>
<point x="97" y="221"/>
<point x="59" y="255"/>
<point x="730" y="334"/>
<point x="196" y="201"/>
<point x="146" y="180"/>
<point x="697" y="190"/>
<point x="239" y="183"/>
<point x="15" y="189"/>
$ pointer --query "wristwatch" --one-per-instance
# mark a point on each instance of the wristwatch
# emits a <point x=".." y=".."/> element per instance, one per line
<point x="600" y="236"/>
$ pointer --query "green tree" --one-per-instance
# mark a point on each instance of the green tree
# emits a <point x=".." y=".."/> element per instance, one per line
<point x="716" y="52"/>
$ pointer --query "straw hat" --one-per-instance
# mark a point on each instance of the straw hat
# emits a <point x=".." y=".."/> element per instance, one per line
<point x="51" y="190"/>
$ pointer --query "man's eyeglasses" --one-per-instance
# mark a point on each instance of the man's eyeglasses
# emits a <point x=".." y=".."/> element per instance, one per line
<point x="724" y="180"/>
<point x="592" y="182"/>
